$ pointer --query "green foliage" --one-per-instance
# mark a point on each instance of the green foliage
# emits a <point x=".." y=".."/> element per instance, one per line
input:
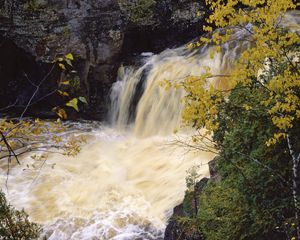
<point x="14" y="224"/>
<point x="139" y="11"/>
<point x="75" y="83"/>
<point x="192" y="178"/>
<point x="189" y="228"/>
<point x="83" y="100"/>
<point x="190" y="202"/>
<point x="67" y="88"/>
<point x="254" y="124"/>
<point x="252" y="202"/>
<point x="224" y="212"/>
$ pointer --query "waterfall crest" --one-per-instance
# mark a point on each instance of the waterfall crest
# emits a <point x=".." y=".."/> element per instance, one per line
<point x="157" y="111"/>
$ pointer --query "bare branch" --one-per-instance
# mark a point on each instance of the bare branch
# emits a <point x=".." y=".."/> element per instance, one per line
<point x="36" y="91"/>
<point x="8" y="146"/>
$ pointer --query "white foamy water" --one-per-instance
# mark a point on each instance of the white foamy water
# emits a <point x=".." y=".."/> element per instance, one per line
<point x="118" y="187"/>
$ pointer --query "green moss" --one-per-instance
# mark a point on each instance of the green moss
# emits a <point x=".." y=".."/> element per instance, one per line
<point x="138" y="11"/>
<point x="35" y="5"/>
<point x="66" y="31"/>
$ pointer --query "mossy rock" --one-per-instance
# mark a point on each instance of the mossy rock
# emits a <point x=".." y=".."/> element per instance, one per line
<point x="138" y="11"/>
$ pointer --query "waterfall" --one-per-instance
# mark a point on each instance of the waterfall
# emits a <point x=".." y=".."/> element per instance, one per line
<point x="139" y="99"/>
<point x="126" y="180"/>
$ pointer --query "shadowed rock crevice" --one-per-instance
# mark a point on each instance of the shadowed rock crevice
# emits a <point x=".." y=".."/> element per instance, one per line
<point x="19" y="75"/>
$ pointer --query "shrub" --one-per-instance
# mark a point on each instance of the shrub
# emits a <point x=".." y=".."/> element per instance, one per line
<point x="14" y="224"/>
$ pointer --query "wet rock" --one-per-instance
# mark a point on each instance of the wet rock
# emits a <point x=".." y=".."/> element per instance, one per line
<point x="213" y="170"/>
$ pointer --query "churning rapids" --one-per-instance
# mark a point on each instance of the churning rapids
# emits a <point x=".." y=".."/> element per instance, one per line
<point x="126" y="180"/>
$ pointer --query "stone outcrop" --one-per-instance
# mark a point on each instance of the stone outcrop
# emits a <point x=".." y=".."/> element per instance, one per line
<point x="176" y="230"/>
<point x="99" y="33"/>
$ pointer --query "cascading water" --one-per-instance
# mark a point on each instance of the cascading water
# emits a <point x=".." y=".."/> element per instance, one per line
<point x="158" y="111"/>
<point x="128" y="177"/>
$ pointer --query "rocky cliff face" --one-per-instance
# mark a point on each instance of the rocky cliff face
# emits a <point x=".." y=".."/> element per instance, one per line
<point x="100" y="33"/>
<point x="189" y="208"/>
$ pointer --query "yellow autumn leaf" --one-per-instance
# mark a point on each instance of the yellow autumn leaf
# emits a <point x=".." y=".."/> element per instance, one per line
<point x="66" y="82"/>
<point x="62" y="113"/>
<point x="62" y="66"/>
<point x="63" y="93"/>
<point x="73" y="104"/>
<point x="37" y="131"/>
<point x="70" y="56"/>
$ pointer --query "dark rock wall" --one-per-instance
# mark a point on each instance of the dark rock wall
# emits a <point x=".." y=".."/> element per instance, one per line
<point x="99" y="33"/>
<point x="190" y="208"/>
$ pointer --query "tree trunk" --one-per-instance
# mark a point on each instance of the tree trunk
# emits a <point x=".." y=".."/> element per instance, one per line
<point x="295" y="159"/>
<point x="295" y="195"/>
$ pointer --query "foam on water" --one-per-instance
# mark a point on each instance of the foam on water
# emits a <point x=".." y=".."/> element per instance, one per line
<point x="118" y="187"/>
